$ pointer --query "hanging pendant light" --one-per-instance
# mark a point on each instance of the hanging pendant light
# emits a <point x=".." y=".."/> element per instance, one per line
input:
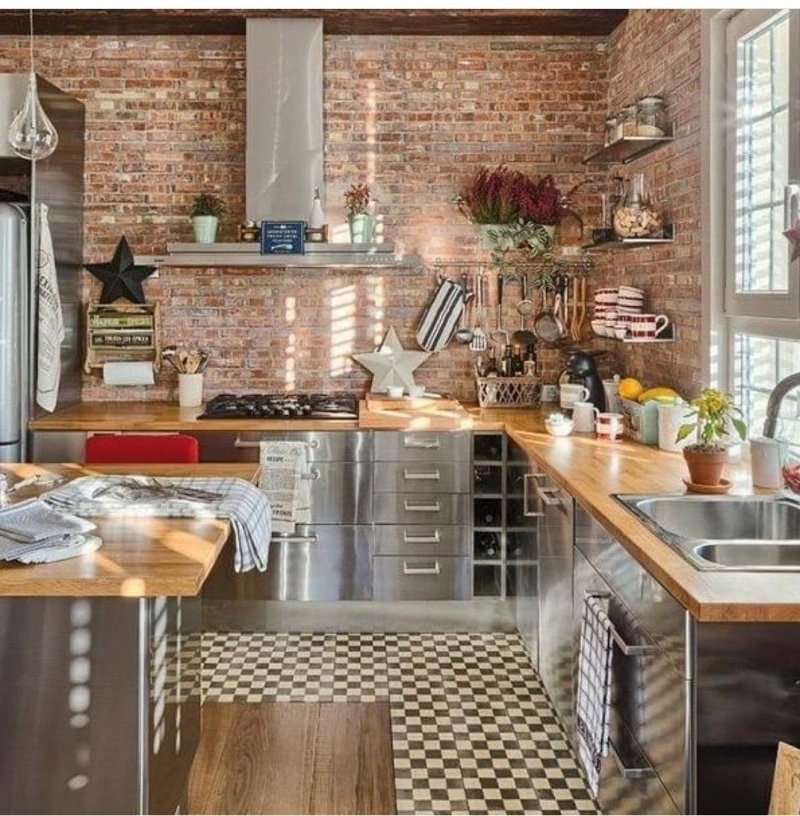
<point x="32" y="135"/>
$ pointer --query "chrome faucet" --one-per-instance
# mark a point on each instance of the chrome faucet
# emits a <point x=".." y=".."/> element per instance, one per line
<point x="775" y="400"/>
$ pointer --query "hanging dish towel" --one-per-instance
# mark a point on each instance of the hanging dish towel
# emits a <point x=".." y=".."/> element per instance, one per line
<point x="51" y="319"/>
<point x="441" y="318"/>
<point x="286" y="482"/>
<point x="593" y="703"/>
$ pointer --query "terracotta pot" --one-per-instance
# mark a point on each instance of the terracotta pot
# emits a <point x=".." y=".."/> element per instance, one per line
<point x="705" y="467"/>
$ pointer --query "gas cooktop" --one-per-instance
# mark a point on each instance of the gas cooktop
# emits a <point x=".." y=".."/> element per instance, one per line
<point x="282" y="406"/>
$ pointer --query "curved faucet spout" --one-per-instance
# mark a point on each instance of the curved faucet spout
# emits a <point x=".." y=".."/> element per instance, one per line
<point x="775" y="400"/>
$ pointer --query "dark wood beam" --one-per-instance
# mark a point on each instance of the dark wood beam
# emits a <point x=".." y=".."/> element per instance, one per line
<point x="558" y="22"/>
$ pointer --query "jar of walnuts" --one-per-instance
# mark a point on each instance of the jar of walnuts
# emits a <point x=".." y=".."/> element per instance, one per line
<point x="637" y="216"/>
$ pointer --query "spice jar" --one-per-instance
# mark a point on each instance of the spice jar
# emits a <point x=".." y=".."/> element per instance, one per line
<point x="651" y="119"/>
<point x="637" y="216"/>
<point x="627" y="121"/>
<point x="611" y="130"/>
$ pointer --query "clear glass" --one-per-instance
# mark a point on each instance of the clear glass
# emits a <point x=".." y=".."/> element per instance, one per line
<point x="762" y="157"/>
<point x="32" y="135"/>
<point x="627" y="119"/>
<point x="637" y="216"/>
<point x="651" y="118"/>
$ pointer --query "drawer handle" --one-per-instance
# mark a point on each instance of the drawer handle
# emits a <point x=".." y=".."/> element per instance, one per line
<point x="421" y="444"/>
<point x="526" y="511"/>
<point x="421" y="508"/>
<point x="241" y="443"/>
<point x="312" y="475"/>
<point x="628" y="649"/>
<point x="309" y="539"/>
<point x="629" y="773"/>
<point x="548" y="496"/>
<point x="431" y="476"/>
<point x="421" y="539"/>
<point x="434" y="570"/>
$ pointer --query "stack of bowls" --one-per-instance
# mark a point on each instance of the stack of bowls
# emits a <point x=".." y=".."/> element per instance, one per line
<point x="630" y="301"/>
<point x="605" y="311"/>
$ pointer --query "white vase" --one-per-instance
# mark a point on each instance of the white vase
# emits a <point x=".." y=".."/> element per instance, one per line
<point x="205" y="228"/>
<point x="494" y="236"/>
<point x="190" y="390"/>
<point x="362" y="228"/>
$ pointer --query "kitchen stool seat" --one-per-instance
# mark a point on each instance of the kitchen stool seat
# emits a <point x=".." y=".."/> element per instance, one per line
<point x="166" y="449"/>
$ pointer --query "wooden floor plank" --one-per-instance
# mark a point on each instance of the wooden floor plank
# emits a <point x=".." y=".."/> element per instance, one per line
<point x="302" y="758"/>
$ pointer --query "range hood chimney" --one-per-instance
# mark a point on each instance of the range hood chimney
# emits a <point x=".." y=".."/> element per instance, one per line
<point x="284" y="160"/>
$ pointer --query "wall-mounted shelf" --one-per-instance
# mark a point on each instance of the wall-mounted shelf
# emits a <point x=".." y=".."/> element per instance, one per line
<point x="629" y="148"/>
<point x="632" y="243"/>
<point x="347" y="256"/>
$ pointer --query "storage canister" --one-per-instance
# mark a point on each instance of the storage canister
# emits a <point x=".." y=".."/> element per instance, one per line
<point x="651" y="119"/>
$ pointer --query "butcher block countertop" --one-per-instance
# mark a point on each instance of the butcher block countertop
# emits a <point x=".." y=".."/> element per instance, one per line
<point x="590" y="470"/>
<point x="139" y="556"/>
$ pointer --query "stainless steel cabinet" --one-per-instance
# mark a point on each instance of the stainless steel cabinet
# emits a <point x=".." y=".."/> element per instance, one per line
<point x="421" y="578"/>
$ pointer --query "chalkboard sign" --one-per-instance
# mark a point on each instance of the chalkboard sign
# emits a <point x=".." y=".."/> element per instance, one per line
<point x="283" y="237"/>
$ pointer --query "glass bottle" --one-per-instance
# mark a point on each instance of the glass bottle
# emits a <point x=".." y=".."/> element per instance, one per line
<point x="611" y="131"/>
<point x="316" y="218"/>
<point x="637" y="216"/>
<point x="627" y="118"/>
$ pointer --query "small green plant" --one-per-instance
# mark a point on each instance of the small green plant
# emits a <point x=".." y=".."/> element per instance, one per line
<point x="208" y="204"/>
<point x="712" y="412"/>
<point x="357" y="199"/>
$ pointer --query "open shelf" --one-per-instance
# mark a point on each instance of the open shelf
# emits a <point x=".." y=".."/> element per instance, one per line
<point x="632" y="243"/>
<point x="629" y="148"/>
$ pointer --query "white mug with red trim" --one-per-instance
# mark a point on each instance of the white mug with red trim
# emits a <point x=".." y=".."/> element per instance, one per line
<point x="610" y="426"/>
<point x="644" y="326"/>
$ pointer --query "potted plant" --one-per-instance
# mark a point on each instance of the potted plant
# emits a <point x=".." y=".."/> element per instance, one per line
<point x="206" y="212"/>
<point x="490" y="200"/>
<point x="712" y="414"/>
<point x="362" y="224"/>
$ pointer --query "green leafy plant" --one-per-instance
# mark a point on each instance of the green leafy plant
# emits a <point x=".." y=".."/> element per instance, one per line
<point x="712" y="413"/>
<point x="357" y="199"/>
<point x="208" y="204"/>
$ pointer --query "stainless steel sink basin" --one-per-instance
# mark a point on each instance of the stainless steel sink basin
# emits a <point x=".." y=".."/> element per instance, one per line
<point x="725" y="532"/>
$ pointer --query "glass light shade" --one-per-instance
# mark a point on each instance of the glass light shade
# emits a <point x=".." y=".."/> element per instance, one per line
<point x="32" y="135"/>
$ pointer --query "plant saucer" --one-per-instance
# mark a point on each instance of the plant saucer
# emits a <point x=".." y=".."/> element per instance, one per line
<point x="715" y="490"/>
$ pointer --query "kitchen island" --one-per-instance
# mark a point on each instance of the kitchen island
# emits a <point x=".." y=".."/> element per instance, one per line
<point x="100" y="659"/>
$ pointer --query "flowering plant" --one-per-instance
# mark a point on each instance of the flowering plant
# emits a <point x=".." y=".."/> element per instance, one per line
<point x="357" y="199"/>
<point x="712" y="413"/>
<point x="492" y="196"/>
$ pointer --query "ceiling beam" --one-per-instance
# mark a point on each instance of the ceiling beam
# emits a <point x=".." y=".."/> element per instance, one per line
<point x="123" y="22"/>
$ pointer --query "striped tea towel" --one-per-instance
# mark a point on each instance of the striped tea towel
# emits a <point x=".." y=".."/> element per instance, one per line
<point x="50" y="330"/>
<point x="242" y="503"/>
<point x="440" y="319"/>
<point x="593" y="703"/>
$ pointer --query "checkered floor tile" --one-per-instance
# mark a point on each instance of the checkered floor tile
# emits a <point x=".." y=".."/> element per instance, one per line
<point x="472" y="729"/>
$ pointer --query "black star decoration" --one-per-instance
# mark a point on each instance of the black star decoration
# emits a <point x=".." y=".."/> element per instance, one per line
<point x="121" y="277"/>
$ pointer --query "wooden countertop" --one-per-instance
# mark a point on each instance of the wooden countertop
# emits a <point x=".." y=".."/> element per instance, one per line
<point x="139" y="557"/>
<point x="588" y="469"/>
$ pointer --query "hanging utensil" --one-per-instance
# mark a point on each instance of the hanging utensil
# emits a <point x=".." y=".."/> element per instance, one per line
<point x="545" y="325"/>
<point x="464" y="332"/>
<point x="523" y="336"/>
<point x="479" y="342"/>
<point x="525" y="306"/>
<point x="500" y="335"/>
<point x="582" y="319"/>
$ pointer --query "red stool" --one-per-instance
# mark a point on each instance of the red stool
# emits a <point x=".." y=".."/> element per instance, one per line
<point x="116" y="449"/>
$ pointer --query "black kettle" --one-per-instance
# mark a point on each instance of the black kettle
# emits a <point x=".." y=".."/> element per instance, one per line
<point x="582" y="369"/>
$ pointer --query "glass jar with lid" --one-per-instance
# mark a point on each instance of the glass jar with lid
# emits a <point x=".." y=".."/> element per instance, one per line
<point x="627" y="121"/>
<point x="651" y="116"/>
<point x="637" y="215"/>
<point x="611" y="130"/>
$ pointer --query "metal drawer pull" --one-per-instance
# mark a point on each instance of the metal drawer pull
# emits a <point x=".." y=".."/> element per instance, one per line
<point x="627" y="649"/>
<point x="309" y="539"/>
<point x="423" y="444"/>
<point x="312" y="475"/>
<point x="421" y="539"/>
<point x="422" y="508"/>
<point x="434" y="570"/>
<point x="241" y="443"/>
<point x="548" y="496"/>
<point x="525" y="498"/>
<point x="629" y="773"/>
<point x="431" y="476"/>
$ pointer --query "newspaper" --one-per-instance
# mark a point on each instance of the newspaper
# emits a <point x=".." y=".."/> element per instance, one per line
<point x="284" y="480"/>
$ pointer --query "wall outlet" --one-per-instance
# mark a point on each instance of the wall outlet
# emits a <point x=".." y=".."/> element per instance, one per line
<point x="549" y="393"/>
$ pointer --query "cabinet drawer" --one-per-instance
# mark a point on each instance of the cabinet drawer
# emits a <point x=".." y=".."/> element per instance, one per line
<point x="323" y="446"/>
<point x="429" y="578"/>
<point x="422" y="508"/>
<point x="422" y="446"/>
<point x="421" y="539"/>
<point x="411" y="477"/>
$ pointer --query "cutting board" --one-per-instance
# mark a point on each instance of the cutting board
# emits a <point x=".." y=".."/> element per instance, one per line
<point x="379" y="412"/>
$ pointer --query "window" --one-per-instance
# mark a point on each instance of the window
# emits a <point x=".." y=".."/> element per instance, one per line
<point x="759" y="319"/>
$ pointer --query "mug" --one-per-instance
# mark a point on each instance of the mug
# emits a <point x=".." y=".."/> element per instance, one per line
<point x="571" y="393"/>
<point x="766" y="456"/>
<point x="610" y="426"/>
<point x="584" y="415"/>
<point x="670" y="419"/>
<point x="642" y="326"/>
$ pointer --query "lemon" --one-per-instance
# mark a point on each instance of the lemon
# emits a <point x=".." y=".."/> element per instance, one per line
<point x="630" y="388"/>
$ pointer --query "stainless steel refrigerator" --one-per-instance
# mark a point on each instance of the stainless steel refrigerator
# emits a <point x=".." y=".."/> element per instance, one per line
<point x="57" y="182"/>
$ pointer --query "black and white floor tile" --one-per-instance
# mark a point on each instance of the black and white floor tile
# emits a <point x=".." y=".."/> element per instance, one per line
<point x="472" y="729"/>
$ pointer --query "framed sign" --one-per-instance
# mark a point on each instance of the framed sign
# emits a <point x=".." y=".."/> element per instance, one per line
<point x="283" y="237"/>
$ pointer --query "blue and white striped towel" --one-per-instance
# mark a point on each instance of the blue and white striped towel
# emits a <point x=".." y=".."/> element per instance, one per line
<point x="237" y="500"/>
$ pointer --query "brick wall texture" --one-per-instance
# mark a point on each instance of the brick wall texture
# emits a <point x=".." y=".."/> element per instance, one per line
<point x="412" y="116"/>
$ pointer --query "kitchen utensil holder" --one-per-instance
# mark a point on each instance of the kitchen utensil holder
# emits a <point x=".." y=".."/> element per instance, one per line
<point x="508" y="392"/>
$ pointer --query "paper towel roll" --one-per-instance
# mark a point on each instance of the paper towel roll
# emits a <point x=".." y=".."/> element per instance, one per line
<point x="128" y="373"/>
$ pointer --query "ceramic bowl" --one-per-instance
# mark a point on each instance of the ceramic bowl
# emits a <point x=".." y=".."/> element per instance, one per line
<point x="599" y="327"/>
<point x="561" y="427"/>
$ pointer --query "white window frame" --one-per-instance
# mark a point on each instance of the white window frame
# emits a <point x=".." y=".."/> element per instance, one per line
<point x="725" y="313"/>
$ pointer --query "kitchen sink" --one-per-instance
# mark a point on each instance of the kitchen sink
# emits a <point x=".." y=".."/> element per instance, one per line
<point x="725" y="532"/>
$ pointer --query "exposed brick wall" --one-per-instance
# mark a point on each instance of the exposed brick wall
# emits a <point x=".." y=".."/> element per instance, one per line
<point x="412" y="116"/>
<point x="658" y="51"/>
